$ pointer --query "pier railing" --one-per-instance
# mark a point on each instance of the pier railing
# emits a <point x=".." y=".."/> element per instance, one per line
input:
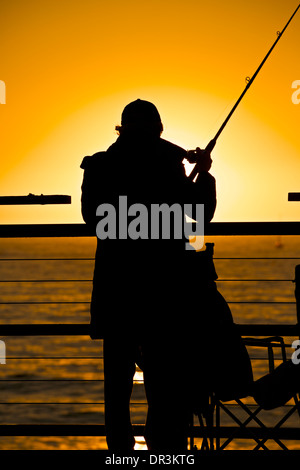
<point x="73" y="329"/>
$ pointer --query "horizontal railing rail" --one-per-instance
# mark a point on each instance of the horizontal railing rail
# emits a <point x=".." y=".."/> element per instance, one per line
<point x="214" y="228"/>
<point x="98" y="430"/>
<point x="31" y="199"/>
<point x="79" y="329"/>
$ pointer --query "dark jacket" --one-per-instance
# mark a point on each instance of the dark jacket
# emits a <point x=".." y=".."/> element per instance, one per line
<point x="133" y="277"/>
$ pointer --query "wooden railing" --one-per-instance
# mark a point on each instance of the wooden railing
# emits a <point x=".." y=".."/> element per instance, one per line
<point x="81" y="230"/>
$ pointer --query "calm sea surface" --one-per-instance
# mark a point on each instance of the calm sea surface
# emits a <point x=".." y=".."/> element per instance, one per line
<point x="59" y="379"/>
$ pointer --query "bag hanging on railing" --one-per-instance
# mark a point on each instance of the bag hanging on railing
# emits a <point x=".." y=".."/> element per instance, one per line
<point x="200" y="264"/>
<point x="232" y="375"/>
<point x="222" y="359"/>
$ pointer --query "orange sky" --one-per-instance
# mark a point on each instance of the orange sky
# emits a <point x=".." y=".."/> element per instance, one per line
<point x="70" y="67"/>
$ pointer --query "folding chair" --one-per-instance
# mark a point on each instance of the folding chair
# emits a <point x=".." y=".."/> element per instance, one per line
<point x="261" y="433"/>
<point x="211" y="422"/>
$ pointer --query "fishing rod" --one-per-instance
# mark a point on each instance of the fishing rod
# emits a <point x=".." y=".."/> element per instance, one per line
<point x="193" y="154"/>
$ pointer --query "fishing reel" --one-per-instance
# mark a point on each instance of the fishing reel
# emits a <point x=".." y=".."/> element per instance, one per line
<point x="201" y="158"/>
<point x="194" y="155"/>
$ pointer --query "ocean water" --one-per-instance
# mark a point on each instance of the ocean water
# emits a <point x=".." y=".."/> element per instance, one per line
<point x="59" y="379"/>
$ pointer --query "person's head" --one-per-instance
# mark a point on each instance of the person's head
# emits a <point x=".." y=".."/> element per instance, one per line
<point x="140" y="118"/>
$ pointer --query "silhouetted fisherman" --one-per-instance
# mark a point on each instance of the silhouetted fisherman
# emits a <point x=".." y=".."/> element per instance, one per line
<point x="138" y="300"/>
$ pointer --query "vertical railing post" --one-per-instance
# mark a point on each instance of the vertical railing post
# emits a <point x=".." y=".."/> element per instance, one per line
<point x="297" y="295"/>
